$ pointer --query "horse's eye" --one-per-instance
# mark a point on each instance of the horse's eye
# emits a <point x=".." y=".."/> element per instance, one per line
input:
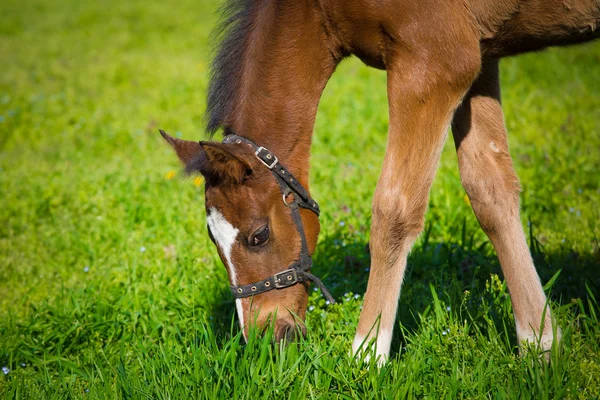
<point x="260" y="236"/>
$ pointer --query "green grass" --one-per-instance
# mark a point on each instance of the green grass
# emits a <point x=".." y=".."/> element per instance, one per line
<point x="110" y="287"/>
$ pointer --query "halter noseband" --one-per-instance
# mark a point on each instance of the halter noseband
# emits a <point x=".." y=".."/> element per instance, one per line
<point x="298" y="271"/>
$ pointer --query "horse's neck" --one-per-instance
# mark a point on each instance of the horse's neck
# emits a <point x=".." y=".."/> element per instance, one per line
<point x="284" y="71"/>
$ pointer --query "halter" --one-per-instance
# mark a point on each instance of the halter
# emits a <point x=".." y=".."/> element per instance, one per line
<point x="297" y="271"/>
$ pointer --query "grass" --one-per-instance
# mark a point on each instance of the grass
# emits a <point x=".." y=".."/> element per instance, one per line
<point x="110" y="287"/>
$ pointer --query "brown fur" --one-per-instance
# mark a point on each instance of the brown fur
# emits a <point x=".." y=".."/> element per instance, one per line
<point x="441" y="59"/>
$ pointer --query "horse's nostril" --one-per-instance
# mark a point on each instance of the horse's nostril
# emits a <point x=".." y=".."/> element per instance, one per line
<point x="288" y="332"/>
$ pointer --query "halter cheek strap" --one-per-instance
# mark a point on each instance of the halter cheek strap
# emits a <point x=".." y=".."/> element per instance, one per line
<point x="298" y="271"/>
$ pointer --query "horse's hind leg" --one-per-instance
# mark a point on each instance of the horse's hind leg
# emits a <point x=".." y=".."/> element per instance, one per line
<point x="488" y="176"/>
<point x="424" y="89"/>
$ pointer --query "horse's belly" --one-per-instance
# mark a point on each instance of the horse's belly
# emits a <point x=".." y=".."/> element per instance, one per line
<point x="530" y="26"/>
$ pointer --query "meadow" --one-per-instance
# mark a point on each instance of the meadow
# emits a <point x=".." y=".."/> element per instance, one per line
<point x="110" y="287"/>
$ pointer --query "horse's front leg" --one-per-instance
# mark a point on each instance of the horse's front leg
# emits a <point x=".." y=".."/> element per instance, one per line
<point x="490" y="180"/>
<point x="424" y="88"/>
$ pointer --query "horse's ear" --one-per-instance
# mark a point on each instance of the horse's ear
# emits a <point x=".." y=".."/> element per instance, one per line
<point x="224" y="164"/>
<point x="219" y="163"/>
<point x="187" y="150"/>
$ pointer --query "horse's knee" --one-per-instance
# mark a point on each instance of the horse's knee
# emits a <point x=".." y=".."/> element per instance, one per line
<point x="493" y="189"/>
<point x="395" y="224"/>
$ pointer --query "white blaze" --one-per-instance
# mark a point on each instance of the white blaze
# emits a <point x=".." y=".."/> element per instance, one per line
<point x="240" y="313"/>
<point x="225" y="235"/>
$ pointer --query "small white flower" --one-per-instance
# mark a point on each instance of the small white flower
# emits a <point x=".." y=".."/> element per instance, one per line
<point x="311" y="308"/>
<point x="315" y="289"/>
<point x="23" y="365"/>
<point x="367" y="269"/>
<point x="6" y="370"/>
<point x="142" y="249"/>
<point x="356" y="296"/>
<point x="448" y="308"/>
<point x="342" y="223"/>
<point x="444" y="333"/>
<point x="86" y="268"/>
<point x="327" y="302"/>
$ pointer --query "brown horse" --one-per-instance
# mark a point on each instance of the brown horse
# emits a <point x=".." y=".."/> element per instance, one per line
<point x="441" y="58"/>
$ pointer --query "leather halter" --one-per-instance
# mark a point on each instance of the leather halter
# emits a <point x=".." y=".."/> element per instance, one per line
<point x="297" y="271"/>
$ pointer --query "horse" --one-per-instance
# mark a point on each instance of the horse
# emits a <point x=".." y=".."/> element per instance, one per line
<point x="272" y="61"/>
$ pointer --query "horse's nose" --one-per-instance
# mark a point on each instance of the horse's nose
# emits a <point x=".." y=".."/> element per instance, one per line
<point x="288" y="331"/>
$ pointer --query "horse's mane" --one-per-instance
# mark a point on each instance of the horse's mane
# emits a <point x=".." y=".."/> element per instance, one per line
<point x="225" y="72"/>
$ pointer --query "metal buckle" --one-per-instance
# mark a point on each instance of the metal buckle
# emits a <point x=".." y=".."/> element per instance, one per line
<point x="269" y="154"/>
<point x="285" y="196"/>
<point x="281" y="283"/>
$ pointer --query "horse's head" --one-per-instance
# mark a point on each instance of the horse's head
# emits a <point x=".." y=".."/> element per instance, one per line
<point x="255" y="233"/>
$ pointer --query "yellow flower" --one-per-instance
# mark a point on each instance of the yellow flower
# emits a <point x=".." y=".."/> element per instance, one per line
<point x="466" y="199"/>
<point x="170" y="175"/>
<point x="198" y="181"/>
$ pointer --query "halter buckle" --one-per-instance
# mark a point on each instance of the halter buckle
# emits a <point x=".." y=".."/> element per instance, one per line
<point x="285" y="196"/>
<point x="285" y="278"/>
<point x="266" y="157"/>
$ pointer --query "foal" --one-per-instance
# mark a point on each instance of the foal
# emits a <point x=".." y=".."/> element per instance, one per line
<point x="441" y="58"/>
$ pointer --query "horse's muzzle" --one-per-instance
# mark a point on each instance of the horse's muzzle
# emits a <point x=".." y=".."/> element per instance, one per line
<point x="288" y="331"/>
